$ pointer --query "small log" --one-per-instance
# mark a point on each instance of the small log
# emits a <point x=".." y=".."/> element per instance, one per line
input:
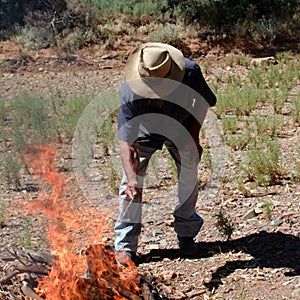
<point x="41" y="270"/>
<point x="10" y="275"/>
<point x="28" y="292"/>
<point x="146" y="292"/>
<point x="37" y="256"/>
<point x="130" y="295"/>
<point x="12" y="255"/>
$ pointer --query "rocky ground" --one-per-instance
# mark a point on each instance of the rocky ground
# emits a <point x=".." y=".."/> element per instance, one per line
<point x="260" y="261"/>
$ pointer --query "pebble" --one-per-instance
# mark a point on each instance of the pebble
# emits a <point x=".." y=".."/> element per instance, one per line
<point x="168" y="275"/>
<point x="296" y="294"/>
<point x="258" y="210"/>
<point x="170" y="223"/>
<point x="166" y="289"/>
<point x="250" y="214"/>
<point x="147" y="239"/>
<point x="158" y="232"/>
<point x="276" y="222"/>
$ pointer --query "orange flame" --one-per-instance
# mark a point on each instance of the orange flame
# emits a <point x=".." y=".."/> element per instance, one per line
<point x="69" y="230"/>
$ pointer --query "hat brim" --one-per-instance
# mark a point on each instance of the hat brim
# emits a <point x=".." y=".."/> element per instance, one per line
<point x="148" y="88"/>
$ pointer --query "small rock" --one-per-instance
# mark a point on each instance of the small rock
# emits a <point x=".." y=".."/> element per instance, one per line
<point x="107" y="56"/>
<point x="270" y="60"/>
<point x="250" y="214"/>
<point x="296" y="294"/>
<point x="258" y="210"/>
<point x="166" y="289"/>
<point x="149" y="239"/>
<point x="152" y="247"/>
<point x="195" y="293"/>
<point x="276" y="222"/>
<point x="168" y="275"/>
<point x="170" y="223"/>
<point x="163" y="243"/>
<point x="158" y="232"/>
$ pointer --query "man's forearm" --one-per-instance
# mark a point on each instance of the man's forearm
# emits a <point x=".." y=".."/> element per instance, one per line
<point x="130" y="161"/>
<point x="195" y="133"/>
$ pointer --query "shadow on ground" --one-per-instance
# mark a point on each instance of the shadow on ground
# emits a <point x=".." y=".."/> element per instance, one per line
<point x="270" y="250"/>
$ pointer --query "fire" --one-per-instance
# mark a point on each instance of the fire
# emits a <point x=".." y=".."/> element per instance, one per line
<point x="85" y="268"/>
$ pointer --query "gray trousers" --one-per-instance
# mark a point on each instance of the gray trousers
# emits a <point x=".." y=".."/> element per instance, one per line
<point x="187" y="223"/>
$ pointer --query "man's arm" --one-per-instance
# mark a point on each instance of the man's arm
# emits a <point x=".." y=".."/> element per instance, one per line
<point x="194" y="130"/>
<point x="130" y="161"/>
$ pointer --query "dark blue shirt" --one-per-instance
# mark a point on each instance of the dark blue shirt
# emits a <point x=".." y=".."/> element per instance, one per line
<point x="152" y="121"/>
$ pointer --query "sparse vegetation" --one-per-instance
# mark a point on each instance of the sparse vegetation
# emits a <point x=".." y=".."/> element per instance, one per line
<point x="240" y="105"/>
<point x="267" y="208"/>
<point x="2" y="215"/>
<point x="263" y="164"/>
<point x="224" y="224"/>
<point x="12" y="172"/>
<point x="24" y="236"/>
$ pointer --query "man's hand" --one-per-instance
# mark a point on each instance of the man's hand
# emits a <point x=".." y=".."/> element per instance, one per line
<point x="130" y="160"/>
<point x="133" y="192"/>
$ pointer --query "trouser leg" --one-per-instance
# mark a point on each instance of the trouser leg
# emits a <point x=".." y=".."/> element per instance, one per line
<point x="128" y="225"/>
<point x="187" y="222"/>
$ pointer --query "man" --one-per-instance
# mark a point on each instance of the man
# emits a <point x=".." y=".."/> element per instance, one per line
<point x="163" y="102"/>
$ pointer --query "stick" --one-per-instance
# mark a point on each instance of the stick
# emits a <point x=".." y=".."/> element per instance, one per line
<point x="9" y="276"/>
<point x="37" y="256"/>
<point x="27" y="291"/>
<point x="32" y="269"/>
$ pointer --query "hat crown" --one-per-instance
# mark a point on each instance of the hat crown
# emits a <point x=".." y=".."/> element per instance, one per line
<point x="154" y="62"/>
<point x="154" y="57"/>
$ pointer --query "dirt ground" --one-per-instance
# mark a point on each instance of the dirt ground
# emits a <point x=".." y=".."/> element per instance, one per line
<point x="262" y="258"/>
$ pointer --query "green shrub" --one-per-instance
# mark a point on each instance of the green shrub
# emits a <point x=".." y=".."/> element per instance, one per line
<point x="34" y="38"/>
<point x="296" y="108"/>
<point x="107" y="135"/>
<point x="267" y="209"/>
<point x="25" y="236"/>
<point x="240" y="60"/>
<point x="3" y="111"/>
<point x="66" y="113"/>
<point x="268" y="125"/>
<point x="224" y="224"/>
<point x="255" y="77"/>
<point x="244" y="100"/>
<point x="263" y="165"/>
<point x="284" y="56"/>
<point x="206" y="158"/>
<point x="263" y="31"/>
<point x="165" y="34"/>
<point x="11" y="172"/>
<point x="234" y="81"/>
<point x="128" y="7"/>
<point x="261" y="21"/>
<point x="113" y="178"/>
<point x="223" y="104"/>
<point x="2" y="215"/>
<point x="31" y="123"/>
<point x="241" y="140"/>
<point x="230" y="124"/>
<point x="3" y="116"/>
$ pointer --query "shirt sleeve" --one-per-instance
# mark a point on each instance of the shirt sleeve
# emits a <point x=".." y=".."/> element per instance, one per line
<point x="128" y="127"/>
<point x="198" y="83"/>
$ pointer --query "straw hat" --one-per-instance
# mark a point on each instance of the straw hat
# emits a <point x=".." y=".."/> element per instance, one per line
<point x="154" y="69"/>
